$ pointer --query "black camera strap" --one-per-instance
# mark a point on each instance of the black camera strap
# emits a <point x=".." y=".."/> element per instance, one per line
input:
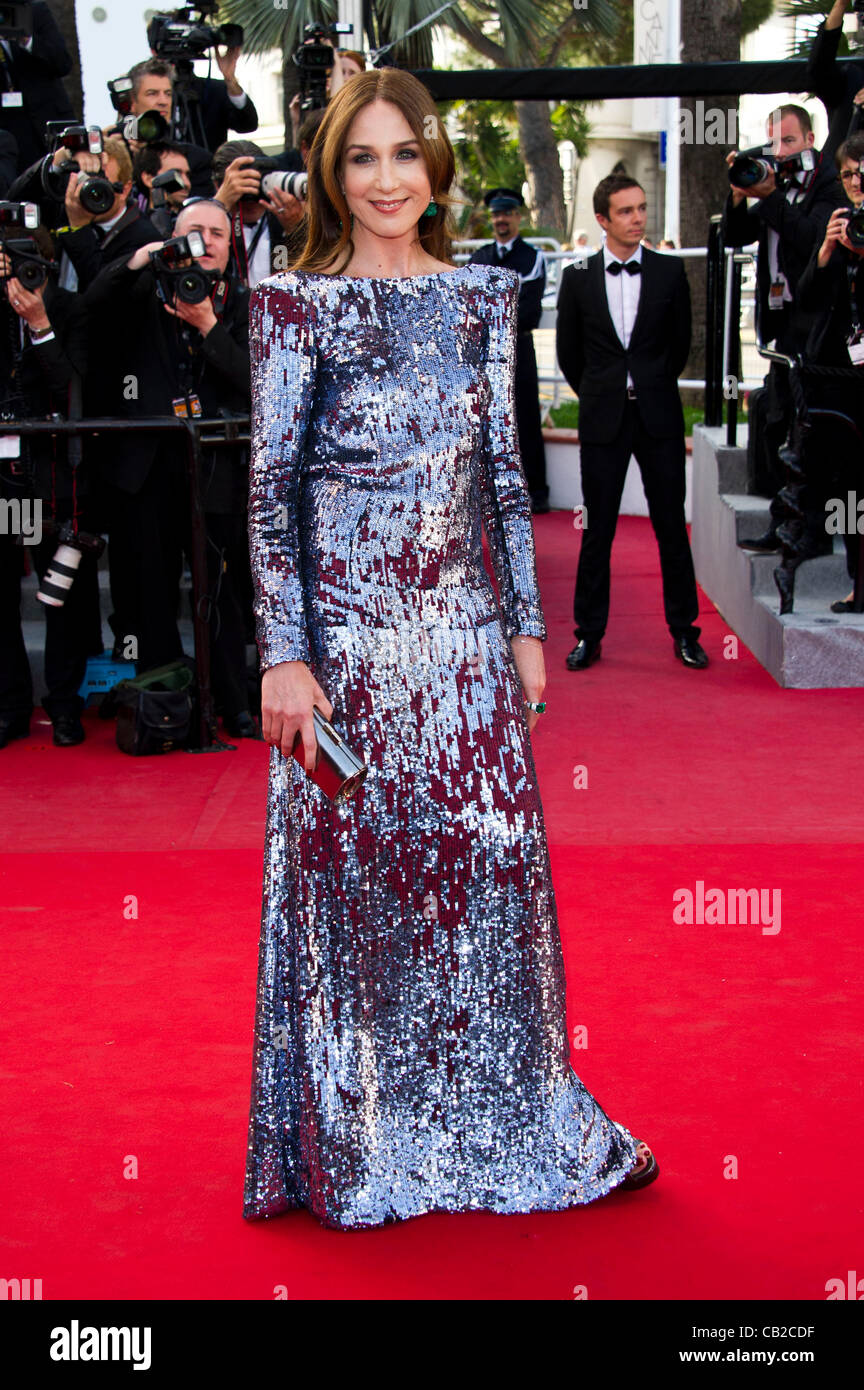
<point x="244" y="255"/>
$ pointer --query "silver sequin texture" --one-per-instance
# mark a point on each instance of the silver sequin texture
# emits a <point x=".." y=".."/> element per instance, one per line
<point x="411" y="1051"/>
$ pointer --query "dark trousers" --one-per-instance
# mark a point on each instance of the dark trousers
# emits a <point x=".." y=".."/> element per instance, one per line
<point x="227" y="574"/>
<point x="604" y="470"/>
<point x="148" y="533"/>
<point x="72" y="632"/>
<point x="528" y="423"/>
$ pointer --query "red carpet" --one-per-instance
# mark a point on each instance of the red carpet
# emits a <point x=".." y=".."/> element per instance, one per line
<point x="129" y="1037"/>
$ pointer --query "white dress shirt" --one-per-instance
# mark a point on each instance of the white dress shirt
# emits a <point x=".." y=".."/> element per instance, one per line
<point x="622" y="296"/>
<point x="260" y="265"/>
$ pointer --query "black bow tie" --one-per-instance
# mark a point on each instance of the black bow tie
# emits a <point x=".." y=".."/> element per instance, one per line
<point x="615" y="267"/>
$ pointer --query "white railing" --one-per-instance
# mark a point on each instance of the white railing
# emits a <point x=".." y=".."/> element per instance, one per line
<point x="553" y="387"/>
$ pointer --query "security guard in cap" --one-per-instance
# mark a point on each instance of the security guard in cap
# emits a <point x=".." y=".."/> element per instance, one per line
<point x="511" y="250"/>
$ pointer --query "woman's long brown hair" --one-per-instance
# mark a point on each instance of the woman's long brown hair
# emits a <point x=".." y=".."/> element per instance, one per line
<point x="328" y="219"/>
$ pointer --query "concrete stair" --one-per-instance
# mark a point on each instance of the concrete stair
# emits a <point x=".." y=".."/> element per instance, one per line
<point x="809" y="648"/>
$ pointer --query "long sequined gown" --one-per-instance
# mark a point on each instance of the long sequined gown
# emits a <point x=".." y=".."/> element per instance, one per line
<point x="411" y="1051"/>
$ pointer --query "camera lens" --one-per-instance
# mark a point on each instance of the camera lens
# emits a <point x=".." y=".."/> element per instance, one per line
<point x="31" y="275"/>
<point x="855" y="227"/>
<point x="192" y="286"/>
<point x="746" y="171"/>
<point x="96" y="195"/>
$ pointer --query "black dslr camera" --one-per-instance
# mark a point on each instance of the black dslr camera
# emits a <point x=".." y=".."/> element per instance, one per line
<point x="26" y="263"/>
<point x="176" y="278"/>
<point x="855" y="224"/>
<point x="753" y="166"/>
<point x="314" y="56"/>
<point x="147" y="127"/>
<point x="185" y="34"/>
<point x="96" y="192"/>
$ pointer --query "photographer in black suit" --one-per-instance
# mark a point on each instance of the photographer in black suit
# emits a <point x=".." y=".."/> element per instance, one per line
<point x="623" y="338"/>
<point x="840" y="89"/>
<point x="158" y="357"/>
<point x="788" y="220"/>
<point x="43" y="346"/>
<point x="30" y="73"/>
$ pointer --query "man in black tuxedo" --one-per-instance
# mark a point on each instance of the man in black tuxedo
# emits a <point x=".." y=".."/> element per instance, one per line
<point x="623" y="337"/>
<point x="510" y="249"/>
<point x="30" y="73"/>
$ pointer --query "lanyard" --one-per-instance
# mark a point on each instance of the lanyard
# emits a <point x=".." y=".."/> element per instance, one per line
<point x="852" y="277"/>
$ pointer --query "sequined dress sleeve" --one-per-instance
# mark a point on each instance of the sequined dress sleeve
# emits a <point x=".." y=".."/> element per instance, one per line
<point x="283" y="356"/>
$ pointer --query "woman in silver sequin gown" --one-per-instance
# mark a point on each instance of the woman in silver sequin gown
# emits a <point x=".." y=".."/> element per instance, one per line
<point x="411" y="1051"/>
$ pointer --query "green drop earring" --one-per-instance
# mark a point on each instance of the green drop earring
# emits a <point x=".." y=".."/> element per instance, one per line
<point x="431" y="210"/>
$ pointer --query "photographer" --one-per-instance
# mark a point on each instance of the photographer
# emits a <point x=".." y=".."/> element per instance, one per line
<point x="841" y="90"/>
<point x="42" y="360"/>
<point x="265" y="228"/>
<point x="30" y="73"/>
<point x="207" y="108"/>
<point x="185" y="358"/>
<point x="90" y="240"/>
<point x="795" y="197"/>
<point x="149" y="163"/>
<point x="848" y="161"/>
<point x="832" y="287"/>
<point x="153" y="90"/>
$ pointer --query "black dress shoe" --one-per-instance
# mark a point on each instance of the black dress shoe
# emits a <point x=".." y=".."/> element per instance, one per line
<point x="688" y="650"/>
<point x="68" y="730"/>
<point x="766" y="543"/>
<point x="13" y="726"/>
<point x="842" y="605"/>
<point x="242" y="725"/>
<point x="584" y="654"/>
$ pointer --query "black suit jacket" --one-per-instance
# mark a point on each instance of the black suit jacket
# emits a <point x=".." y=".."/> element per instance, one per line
<point x="219" y="114"/>
<point x="800" y="226"/>
<point x="132" y="336"/>
<point x="47" y="372"/>
<point x="90" y="254"/>
<point x="595" y="362"/>
<point x="835" y="87"/>
<point x="36" y="74"/>
<point x="826" y="292"/>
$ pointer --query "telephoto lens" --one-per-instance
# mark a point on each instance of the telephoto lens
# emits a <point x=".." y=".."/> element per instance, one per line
<point x="293" y="183"/>
<point x="59" y="576"/>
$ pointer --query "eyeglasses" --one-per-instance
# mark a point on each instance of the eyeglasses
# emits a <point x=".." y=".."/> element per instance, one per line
<point x="849" y="174"/>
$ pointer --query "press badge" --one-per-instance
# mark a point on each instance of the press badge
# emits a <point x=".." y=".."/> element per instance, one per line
<point x="856" y="347"/>
<point x="775" y="294"/>
<point x="13" y="99"/>
<point x="180" y="407"/>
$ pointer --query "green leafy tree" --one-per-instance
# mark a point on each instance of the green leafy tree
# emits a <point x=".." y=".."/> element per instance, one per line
<point x="508" y="34"/>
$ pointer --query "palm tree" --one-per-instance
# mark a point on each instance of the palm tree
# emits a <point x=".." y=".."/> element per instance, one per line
<point x="509" y="34"/>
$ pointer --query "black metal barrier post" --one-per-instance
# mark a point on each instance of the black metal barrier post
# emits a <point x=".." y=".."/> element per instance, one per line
<point x="733" y="342"/>
<point x="228" y="432"/>
<point x="714" y="285"/>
